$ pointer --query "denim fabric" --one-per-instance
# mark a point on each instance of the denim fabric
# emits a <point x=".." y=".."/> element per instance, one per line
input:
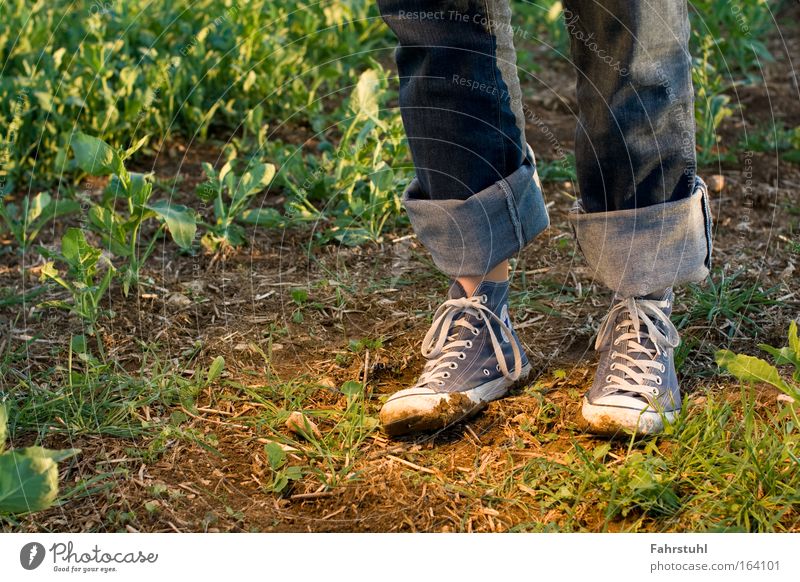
<point x="640" y="251"/>
<point x="468" y="237"/>
<point x="634" y="144"/>
<point x="476" y="199"/>
<point x="463" y="129"/>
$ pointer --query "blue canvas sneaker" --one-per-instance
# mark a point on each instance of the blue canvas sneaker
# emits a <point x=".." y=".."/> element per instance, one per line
<point x="474" y="356"/>
<point x="635" y="389"/>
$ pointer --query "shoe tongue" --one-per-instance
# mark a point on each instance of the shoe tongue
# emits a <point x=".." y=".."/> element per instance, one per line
<point x="496" y="292"/>
<point x="456" y="291"/>
<point x="496" y="296"/>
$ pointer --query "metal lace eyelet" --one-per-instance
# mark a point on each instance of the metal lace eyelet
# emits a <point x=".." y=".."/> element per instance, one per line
<point x="663" y="368"/>
<point x="453" y="365"/>
<point x="475" y="332"/>
<point x="612" y="367"/>
<point x="469" y="343"/>
<point x="440" y="383"/>
<point x="655" y="391"/>
<point x="486" y="372"/>
<point x="484" y="298"/>
<point x="608" y="378"/>
<point x="497" y="367"/>
<point x="462" y="356"/>
<point x="446" y="375"/>
<point x="658" y="381"/>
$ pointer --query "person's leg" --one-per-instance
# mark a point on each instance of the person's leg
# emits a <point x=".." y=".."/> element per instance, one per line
<point x="476" y="199"/>
<point x="642" y="220"/>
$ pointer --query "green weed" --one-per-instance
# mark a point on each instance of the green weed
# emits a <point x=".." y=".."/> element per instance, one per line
<point x="121" y="233"/>
<point x="231" y="195"/>
<point x="26" y="221"/>
<point x="726" y="303"/>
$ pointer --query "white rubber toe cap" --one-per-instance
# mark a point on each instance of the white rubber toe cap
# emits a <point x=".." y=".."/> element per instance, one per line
<point x="419" y="409"/>
<point x="617" y="413"/>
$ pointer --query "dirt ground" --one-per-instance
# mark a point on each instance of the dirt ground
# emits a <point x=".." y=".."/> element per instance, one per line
<point x="229" y="303"/>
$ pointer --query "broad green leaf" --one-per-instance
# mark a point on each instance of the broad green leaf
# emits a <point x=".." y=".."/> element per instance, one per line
<point x="225" y="170"/>
<point x="280" y="482"/>
<point x="364" y="101"/>
<point x="206" y="190"/>
<point x="181" y="221"/>
<point x="95" y="156"/>
<point x="38" y="205"/>
<point x="209" y="170"/>
<point x="78" y="252"/>
<point x="382" y="178"/>
<point x="28" y="480"/>
<point x="49" y="271"/>
<point x="266" y="217"/>
<point x="3" y="426"/>
<point x="294" y="473"/>
<point x="352" y="388"/>
<point x="782" y="356"/>
<point x="750" y="369"/>
<point x="78" y="344"/>
<point x="275" y="455"/>
<point x="216" y="369"/>
<point x="140" y="189"/>
<point x="55" y="209"/>
<point x="256" y="178"/>
<point x="110" y="226"/>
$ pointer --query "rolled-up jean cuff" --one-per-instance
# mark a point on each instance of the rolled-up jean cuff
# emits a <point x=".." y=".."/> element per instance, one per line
<point x="643" y="250"/>
<point x="470" y="237"/>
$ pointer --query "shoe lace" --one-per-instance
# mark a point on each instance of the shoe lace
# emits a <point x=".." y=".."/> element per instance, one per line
<point x="441" y="344"/>
<point x="637" y="363"/>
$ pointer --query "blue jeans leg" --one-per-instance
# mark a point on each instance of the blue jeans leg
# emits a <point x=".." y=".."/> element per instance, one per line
<point x="476" y="199"/>
<point x="643" y="220"/>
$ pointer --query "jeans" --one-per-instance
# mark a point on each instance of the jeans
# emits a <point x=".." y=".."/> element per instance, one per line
<point x="642" y="219"/>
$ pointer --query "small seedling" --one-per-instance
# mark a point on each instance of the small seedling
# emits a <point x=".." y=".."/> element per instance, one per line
<point x="231" y="195"/>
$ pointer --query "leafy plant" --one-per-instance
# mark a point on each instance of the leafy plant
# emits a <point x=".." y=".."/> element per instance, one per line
<point x="358" y="180"/>
<point x="753" y="369"/>
<point x="711" y="105"/>
<point x="26" y="221"/>
<point x="282" y="474"/>
<point x="737" y="31"/>
<point x="231" y="196"/>
<point x="88" y="276"/>
<point x="773" y="138"/>
<point x="120" y="233"/>
<point x="29" y="476"/>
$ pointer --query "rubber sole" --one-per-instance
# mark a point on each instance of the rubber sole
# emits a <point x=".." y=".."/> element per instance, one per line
<point x="409" y="412"/>
<point x="612" y="420"/>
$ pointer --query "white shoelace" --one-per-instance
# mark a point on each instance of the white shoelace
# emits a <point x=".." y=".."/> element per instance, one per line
<point x="637" y="363"/>
<point x="437" y="342"/>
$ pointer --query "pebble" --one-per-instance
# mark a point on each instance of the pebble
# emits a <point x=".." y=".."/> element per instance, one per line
<point x="716" y="183"/>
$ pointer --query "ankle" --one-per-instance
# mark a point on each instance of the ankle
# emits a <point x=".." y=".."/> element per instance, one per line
<point x="498" y="274"/>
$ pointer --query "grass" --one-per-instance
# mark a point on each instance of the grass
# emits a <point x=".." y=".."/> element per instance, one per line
<point x="728" y="304"/>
